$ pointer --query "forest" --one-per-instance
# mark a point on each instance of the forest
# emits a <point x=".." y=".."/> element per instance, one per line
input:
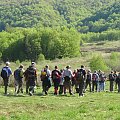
<point x="35" y="29"/>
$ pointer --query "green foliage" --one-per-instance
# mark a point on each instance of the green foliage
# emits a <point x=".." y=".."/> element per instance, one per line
<point x="98" y="63"/>
<point x="106" y="35"/>
<point x="84" y="15"/>
<point x="41" y="57"/>
<point x="114" y="61"/>
<point x="28" y="44"/>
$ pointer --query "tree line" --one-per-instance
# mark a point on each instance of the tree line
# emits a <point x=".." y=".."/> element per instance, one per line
<point x="33" y="43"/>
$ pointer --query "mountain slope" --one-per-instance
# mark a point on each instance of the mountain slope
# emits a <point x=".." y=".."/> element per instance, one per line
<point x="29" y="13"/>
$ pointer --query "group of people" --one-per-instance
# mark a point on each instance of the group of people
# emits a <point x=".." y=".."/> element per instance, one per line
<point x="76" y="81"/>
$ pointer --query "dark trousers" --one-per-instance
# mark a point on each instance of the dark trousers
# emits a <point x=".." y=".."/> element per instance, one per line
<point x="67" y="84"/>
<point x="88" y="83"/>
<point x="111" y="85"/>
<point x="118" y="86"/>
<point x="95" y="85"/>
<point x="6" y="84"/>
<point x="81" y="88"/>
<point x="46" y="84"/>
<point x="61" y="89"/>
<point x="56" y="85"/>
<point x="27" y="86"/>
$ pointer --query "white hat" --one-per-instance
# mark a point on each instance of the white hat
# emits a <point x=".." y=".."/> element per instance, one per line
<point x="7" y="63"/>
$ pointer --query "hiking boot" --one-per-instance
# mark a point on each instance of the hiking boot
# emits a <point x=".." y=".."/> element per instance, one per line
<point x="30" y="93"/>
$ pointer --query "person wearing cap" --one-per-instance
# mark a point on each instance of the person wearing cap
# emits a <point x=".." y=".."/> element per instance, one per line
<point x="18" y="75"/>
<point x="56" y="75"/>
<point x="68" y="79"/>
<point x="5" y="74"/>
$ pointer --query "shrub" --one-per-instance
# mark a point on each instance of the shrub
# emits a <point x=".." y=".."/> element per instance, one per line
<point x="98" y="63"/>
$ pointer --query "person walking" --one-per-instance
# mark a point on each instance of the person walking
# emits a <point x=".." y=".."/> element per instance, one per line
<point x="89" y="80"/>
<point x="18" y="75"/>
<point x="5" y="74"/>
<point x="111" y="79"/>
<point x="56" y="75"/>
<point x="67" y="80"/>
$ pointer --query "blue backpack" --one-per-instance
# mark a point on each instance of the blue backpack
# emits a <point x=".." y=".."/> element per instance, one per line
<point x="17" y="74"/>
<point x="4" y="73"/>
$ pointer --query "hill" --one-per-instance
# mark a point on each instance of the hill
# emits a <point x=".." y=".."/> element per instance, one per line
<point x="104" y="19"/>
<point x="70" y="13"/>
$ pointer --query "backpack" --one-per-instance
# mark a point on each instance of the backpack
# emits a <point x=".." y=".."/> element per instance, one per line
<point x="55" y="75"/>
<point x="94" y="77"/>
<point x="31" y="72"/>
<point x="80" y="76"/>
<point x="4" y="73"/>
<point x="17" y="74"/>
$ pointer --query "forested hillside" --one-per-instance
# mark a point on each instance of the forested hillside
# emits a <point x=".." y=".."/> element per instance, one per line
<point x="49" y="29"/>
<point x="70" y="13"/>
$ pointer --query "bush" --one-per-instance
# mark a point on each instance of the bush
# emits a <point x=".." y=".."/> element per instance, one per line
<point x="41" y="57"/>
<point x="98" y="63"/>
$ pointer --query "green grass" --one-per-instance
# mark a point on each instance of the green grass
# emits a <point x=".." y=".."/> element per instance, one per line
<point x="93" y="106"/>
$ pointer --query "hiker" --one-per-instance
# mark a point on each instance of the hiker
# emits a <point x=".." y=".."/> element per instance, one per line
<point x="102" y="79"/>
<point x="80" y="78"/>
<point x="46" y="79"/>
<point x="61" y="82"/>
<point x="89" y="80"/>
<point x="111" y="79"/>
<point x="115" y="77"/>
<point x="5" y="74"/>
<point x="95" y="81"/>
<point x="26" y="77"/>
<point x="56" y="79"/>
<point x="18" y="75"/>
<point x="32" y="79"/>
<point x="118" y="81"/>
<point x="74" y="80"/>
<point x="67" y="80"/>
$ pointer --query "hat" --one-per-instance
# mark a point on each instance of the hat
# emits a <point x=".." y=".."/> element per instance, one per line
<point x="21" y="66"/>
<point x="7" y="63"/>
<point x="68" y="67"/>
<point x="33" y="63"/>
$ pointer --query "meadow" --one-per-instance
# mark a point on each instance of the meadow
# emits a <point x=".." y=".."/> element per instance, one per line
<point x="93" y="106"/>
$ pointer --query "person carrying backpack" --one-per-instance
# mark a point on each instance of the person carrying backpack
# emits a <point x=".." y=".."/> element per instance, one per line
<point x="18" y="75"/>
<point x="115" y="77"/>
<point x="80" y="78"/>
<point x="46" y="79"/>
<point x="56" y="79"/>
<point x="67" y="80"/>
<point x="95" y="81"/>
<point x="32" y="78"/>
<point x="118" y="81"/>
<point x="89" y="80"/>
<point x="5" y="74"/>
<point x="111" y="79"/>
<point x="61" y="82"/>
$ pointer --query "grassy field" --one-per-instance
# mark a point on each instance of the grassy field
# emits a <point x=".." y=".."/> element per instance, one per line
<point x="93" y="106"/>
